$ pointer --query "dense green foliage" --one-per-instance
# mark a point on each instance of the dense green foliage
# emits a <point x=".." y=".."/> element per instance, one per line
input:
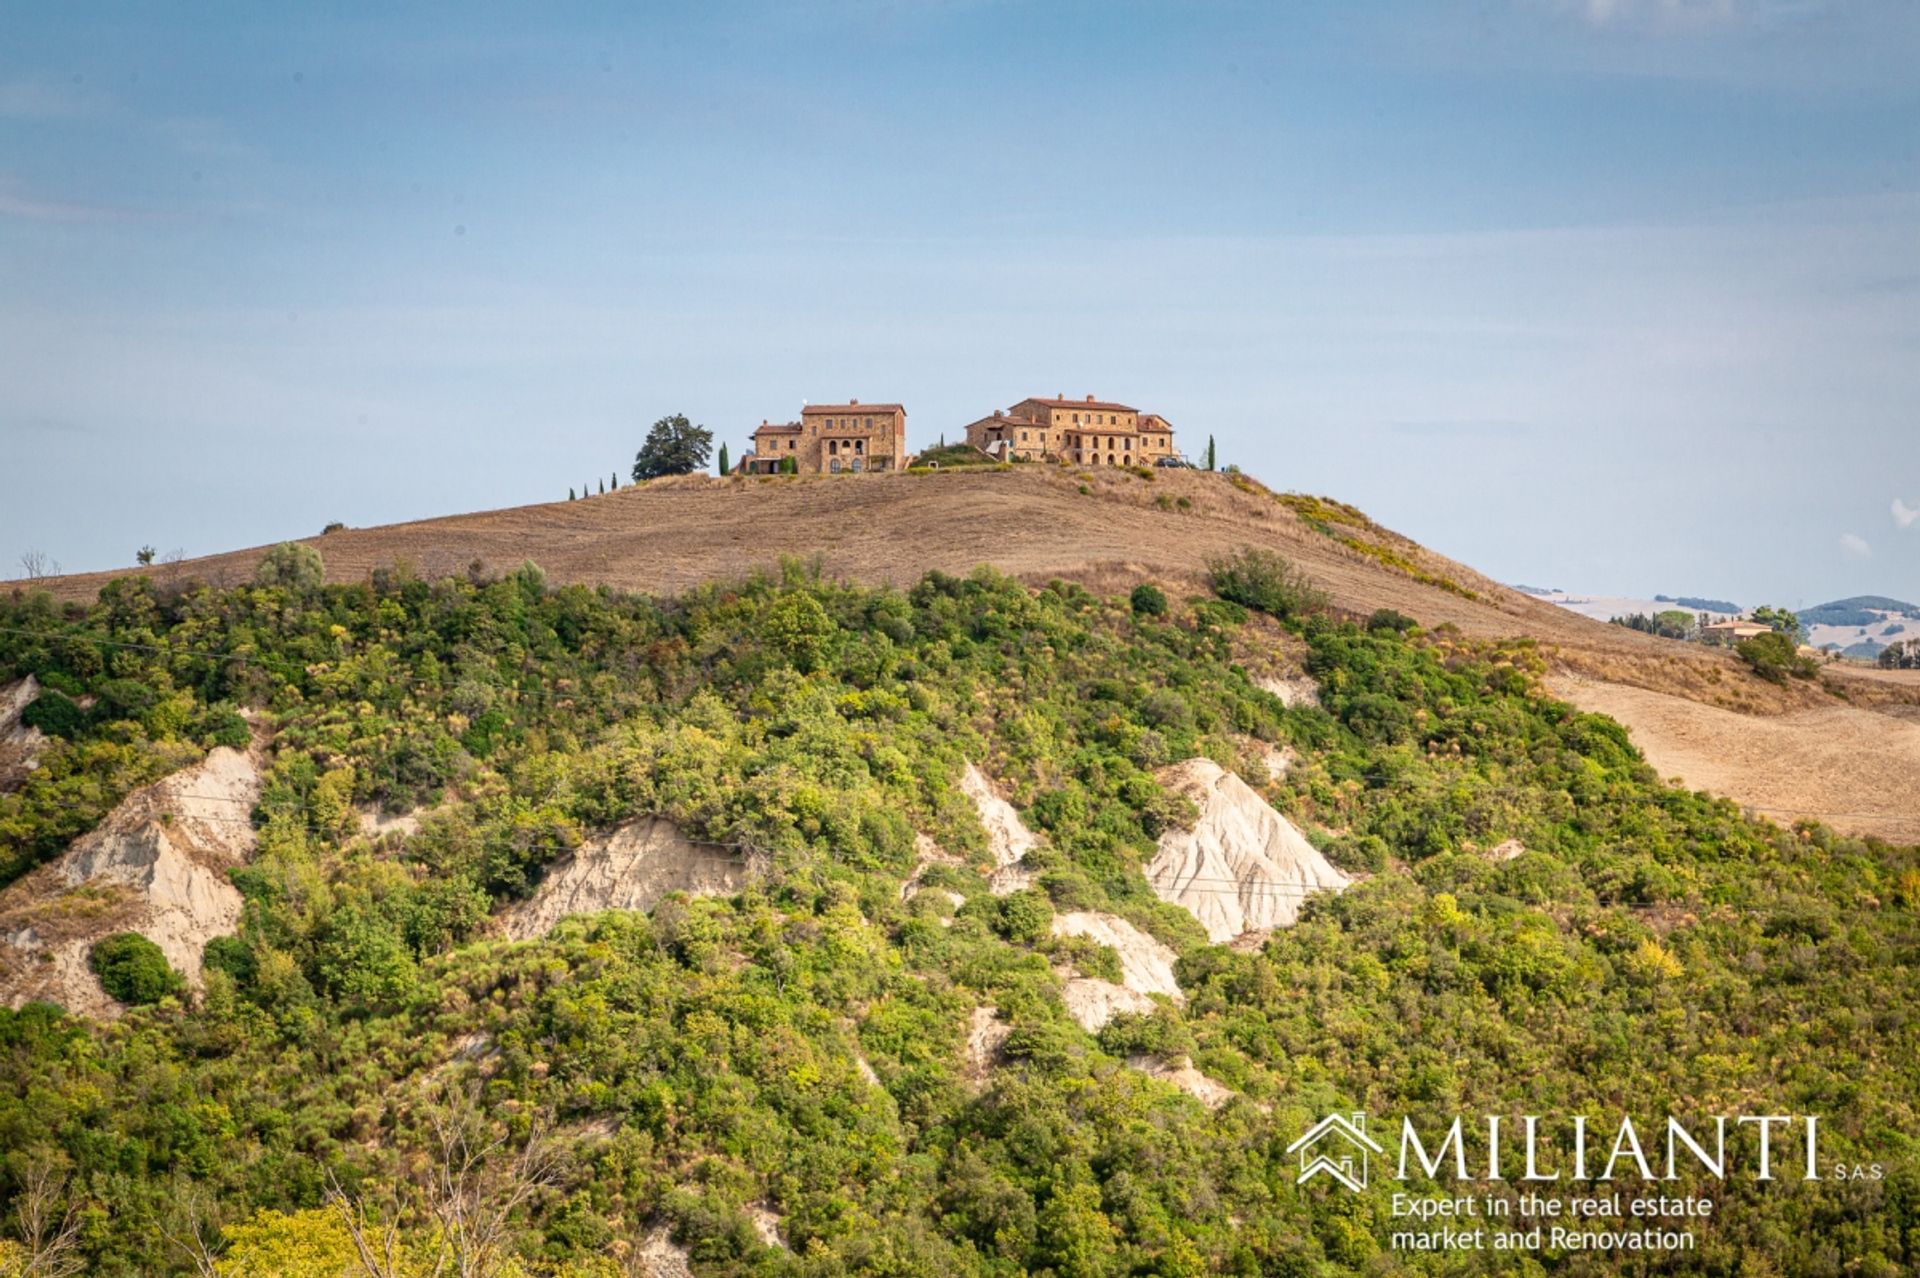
<point x="132" y="969"/>
<point x="1148" y="600"/>
<point x="1263" y="580"/>
<point x="1669" y="623"/>
<point x="674" y="446"/>
<point x="1649" y="949"/>
<point x="948" y="456"/>
<point x="1695" y="603"/>
<point x="1775" y="656"/>
<point x="1860" y="610"/>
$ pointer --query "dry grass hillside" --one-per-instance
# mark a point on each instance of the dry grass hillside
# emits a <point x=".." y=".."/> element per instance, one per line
<point x="1109" y="528"/>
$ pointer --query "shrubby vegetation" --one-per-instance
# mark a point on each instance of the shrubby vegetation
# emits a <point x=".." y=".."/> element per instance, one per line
<point x="1775" y="656"/>
<point x="1650" y="949"/>
<point x="132" y="969"/>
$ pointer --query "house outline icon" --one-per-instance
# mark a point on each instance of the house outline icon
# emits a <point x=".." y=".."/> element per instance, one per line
<point x="1351" y="1129"/>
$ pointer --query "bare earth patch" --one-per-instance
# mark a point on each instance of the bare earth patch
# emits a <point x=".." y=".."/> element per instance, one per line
<point x="985" y="1033"/>
<point x="19" y="744"/>
<point x="629" y="868"/>
<point x="1007" y="835"/>
<point x="1184" y="1076"/>
<point x="1242" y="867"/>
<point x="1857" y="770"/>
<point x="1146" y="964"/>
<point x="157" y="865"/>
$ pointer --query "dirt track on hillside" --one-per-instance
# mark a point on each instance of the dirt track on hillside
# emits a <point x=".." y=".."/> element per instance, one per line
<point x="1106" y="529"/>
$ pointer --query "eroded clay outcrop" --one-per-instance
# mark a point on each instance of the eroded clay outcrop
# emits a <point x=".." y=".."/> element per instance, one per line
<point x="1242" y="867"/>
<point x="1007" y="835"/>
<point x="157" y="865"/>
<point x="19" y="744"/>
<point x="630" y="867"/>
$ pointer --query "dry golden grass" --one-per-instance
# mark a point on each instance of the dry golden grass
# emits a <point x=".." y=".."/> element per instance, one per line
<point x="1108" y="529"/>
<point x="1852" y="768"/>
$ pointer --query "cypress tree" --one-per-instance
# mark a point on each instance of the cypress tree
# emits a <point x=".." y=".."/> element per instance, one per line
<point x="616" y="481"/>
<point x="1209" y="452"/>
<point x="603" y="486"/>
<point x="723" y="459"/>
<point x="569" y="494"/>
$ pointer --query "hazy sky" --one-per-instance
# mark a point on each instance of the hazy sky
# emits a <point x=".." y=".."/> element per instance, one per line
<point x="1616" y="295"/>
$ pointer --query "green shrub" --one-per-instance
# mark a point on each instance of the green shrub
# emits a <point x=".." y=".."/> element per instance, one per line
<point x="1025" y="915"/>
<point x="132" y="969"/>
<point x="221" y="726"/>
<point x="293" y="566"/>
<point x="1774" y="656"/>
<point x="1148" y="600"/>
<point x="1387" y="619"/>
<point x="1266" y="581"/>
<point x="55" y="715"/>
<point x="231" y="955"/>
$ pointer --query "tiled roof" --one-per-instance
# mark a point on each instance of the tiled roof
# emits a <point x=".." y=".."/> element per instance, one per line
<point x="1099" y="405"/>
<point x="814" y="410"/>
<point x="769" y="428"/>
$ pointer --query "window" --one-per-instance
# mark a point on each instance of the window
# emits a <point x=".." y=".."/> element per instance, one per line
<point x="833" y="466"/>
<point x="833" y="447"/>
<point x="790" y="444"/>
<point x="1023" y="437"/>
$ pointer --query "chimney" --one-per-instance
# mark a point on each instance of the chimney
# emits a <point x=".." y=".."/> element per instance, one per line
<point x="1089" y="399"/>
<point x="852" y="403"/>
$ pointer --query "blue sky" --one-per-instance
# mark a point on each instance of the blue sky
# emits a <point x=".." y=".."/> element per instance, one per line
<point x="1618" y="295"/>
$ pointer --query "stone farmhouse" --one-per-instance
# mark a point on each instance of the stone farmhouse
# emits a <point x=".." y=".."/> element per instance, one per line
<point x="1086" y="432"/>
<point x="832" y="439"/>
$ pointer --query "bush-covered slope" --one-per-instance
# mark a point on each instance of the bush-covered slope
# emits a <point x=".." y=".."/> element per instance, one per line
<point x="1651" y="949"/>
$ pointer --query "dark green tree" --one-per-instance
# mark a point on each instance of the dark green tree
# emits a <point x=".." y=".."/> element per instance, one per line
<point x="145" y="556"/>
<point x="1775" y="656"/>
<point x="616" y="481"/>
<point x="1210" y="453"/>
<point x="674" y="446"/>
<point x="603" y="486"/>
<point x="132" y="969"/>
<point x="723" y="467"/>
<point x="570" y="494"/>
<point x="1780" y="621"/>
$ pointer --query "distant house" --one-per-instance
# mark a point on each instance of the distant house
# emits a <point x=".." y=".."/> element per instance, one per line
<point x="1085" y="432"/>
<point x="831" y="439"/>
<point x="1733" y="630"/>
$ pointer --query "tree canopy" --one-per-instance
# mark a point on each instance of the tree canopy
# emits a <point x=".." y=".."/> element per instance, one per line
<point x="674" y="446"/>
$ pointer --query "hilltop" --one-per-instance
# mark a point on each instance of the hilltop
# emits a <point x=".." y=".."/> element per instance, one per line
<point x="1032" y="522"/>
<point x="1821" y="755"/>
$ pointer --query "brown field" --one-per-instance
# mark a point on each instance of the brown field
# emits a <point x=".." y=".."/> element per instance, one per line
<point x="1035" y="522"/>
<point x="1854" y="769"/>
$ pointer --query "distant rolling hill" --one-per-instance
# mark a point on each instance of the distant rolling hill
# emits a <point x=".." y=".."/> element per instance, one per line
<point x="1862" y="625"/>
